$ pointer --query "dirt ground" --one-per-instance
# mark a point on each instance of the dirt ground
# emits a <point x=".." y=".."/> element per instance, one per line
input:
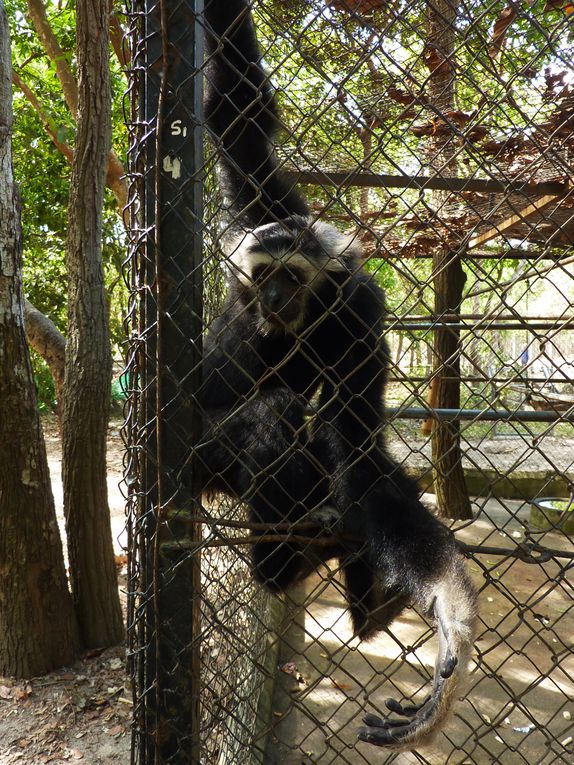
<point x="82" y="713"/>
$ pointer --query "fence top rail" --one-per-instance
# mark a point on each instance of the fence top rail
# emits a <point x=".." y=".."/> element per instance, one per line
<point x="445" y="415"/>
<point x="442" y="183"/>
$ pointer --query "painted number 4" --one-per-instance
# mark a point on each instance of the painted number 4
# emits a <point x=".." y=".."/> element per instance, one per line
<point x="172" y="165"/>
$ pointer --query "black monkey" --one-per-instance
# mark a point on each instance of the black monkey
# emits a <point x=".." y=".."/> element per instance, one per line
<point x="301" y="327"/>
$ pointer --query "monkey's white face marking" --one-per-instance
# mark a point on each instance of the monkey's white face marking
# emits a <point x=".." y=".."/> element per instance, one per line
<point x="266" y="327"/>
<point x="341" y="247"/>
<point x="249" y="262"/>
<point x="313" y="249"/>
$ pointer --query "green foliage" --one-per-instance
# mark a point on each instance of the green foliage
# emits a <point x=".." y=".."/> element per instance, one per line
<point x="386" y="275"/>
<point x="45" y="388"/>
<point x="340" y="80"/>
<point x="43" y="173"/>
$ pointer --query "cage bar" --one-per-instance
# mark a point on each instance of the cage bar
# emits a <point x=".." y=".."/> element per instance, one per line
<point x="169" y="282"/>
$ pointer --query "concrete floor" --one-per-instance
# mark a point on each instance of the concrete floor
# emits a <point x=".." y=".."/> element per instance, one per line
<point x="520" y="695"/>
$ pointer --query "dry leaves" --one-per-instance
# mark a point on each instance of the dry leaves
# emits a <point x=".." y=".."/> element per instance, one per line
<point x="67" y="716"/>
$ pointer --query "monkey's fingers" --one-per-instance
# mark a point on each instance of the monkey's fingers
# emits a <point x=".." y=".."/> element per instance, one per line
<point x="396" y="734"/>
<point x="399" y="734"/>
<point x="407" y="711"/>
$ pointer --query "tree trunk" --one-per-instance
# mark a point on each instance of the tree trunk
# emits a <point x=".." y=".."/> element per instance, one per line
<point x="399" y="350"/>
<point x="449" y="482"/>
<point x="448" y="275"/>
<point x="38" y="631"/>
<point x="86" y="393"/>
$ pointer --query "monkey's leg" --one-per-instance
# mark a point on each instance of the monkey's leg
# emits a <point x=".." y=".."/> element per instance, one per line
<point x="258" y="453"/>
<point x="454" y="610"/>
<point x="291" y="490"/>
<point x="419" y="555"/>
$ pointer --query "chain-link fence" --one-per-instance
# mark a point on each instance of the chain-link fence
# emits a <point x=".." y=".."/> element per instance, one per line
<point x="441" y="136"/>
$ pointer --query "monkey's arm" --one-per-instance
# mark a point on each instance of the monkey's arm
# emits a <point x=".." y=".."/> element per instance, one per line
<point x="241" y="113"/>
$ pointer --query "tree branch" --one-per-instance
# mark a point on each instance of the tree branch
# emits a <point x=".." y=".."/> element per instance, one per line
<point x="46" y="339"/>
<point x="117" y="37"/>
<point x="66" y="77"/>
<point x="62" y="147"/>
<point x="55" y="53"/>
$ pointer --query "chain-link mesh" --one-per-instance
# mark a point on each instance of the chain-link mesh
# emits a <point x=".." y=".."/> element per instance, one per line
<point x="439" y="134"/>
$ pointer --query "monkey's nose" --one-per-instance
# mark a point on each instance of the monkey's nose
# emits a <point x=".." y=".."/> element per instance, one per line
<point x="273" y="300"/>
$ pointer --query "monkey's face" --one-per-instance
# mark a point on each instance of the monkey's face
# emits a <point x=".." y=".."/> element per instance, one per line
<point x="280" y="265"/>
<point x="281" y="294"/>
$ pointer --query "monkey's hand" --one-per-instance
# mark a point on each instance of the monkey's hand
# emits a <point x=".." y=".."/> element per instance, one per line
<point x="455" y="612"/>
<point x="326" y="516"/>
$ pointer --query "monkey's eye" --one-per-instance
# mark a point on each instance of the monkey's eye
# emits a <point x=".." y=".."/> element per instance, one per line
<point x="293" y="275"/>
<point x="260" y="273"/>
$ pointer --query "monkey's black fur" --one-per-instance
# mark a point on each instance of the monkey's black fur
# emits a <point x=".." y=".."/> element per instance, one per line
<point x="301" y="326"/>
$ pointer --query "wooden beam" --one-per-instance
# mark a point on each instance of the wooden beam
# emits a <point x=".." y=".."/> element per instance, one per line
<point x="511" y="254"/>
<point x="520" y="217"/>
<point x="456" y="185"/>
<point x="516" y="253"/>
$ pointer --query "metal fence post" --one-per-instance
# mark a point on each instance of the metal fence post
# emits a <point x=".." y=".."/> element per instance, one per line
<point x="172" y="188"/>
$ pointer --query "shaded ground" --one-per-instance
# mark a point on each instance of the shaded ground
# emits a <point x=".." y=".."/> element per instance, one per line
<point x="78" y="714"/>
<point x="82" y="713"/>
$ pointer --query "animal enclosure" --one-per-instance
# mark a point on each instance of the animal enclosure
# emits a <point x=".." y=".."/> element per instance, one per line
<point x="439" y="136"/>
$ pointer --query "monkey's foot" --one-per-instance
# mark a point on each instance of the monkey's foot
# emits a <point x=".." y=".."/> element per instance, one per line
<point x="422" y="719"/>
<point x="398" y="734"/>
